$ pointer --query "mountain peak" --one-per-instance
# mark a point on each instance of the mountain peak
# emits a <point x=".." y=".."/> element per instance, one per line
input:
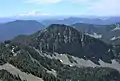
<point x="60" y="26"/>
<point x="64" y="39"/>
<point x="24" y="21"/>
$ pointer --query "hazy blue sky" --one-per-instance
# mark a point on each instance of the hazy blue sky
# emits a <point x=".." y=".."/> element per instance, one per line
<point x="59" y="7"/>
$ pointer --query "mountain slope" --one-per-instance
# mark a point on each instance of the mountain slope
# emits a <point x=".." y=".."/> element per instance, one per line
<point x="31" y="61"/>
<point x="67" y="40"/>
<point x="60" y="53"/>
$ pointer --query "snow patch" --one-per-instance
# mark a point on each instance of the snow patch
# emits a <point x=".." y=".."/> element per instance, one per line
<point x="82" y="38"/>
<point x="109" y="50"/>
<point x="71" y="65"/>
<point x="15" y="54"/>
<point x="114" y="65"/>
<point x="58" y="33"/>
<point x="53" y="72"/>
<point x="117" y="27"/>
<point x="95" y="35"/>
<point x="114" y="38"/>
<point x="13" y="50"/>
<point x="61" y="60"/>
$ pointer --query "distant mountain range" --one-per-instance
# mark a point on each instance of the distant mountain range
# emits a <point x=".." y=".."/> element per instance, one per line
<point x="14" y="28"/>
<point x="59" y="53"/>
<point x="107" y="33"/>
<point x="68" y="20"/>
<point x="89" y="20"/>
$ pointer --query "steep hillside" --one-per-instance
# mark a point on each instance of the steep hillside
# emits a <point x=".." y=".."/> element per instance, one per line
<point x="24" y="61"/>
<point x="65" y="39"/>
<point x="59" y="53"/>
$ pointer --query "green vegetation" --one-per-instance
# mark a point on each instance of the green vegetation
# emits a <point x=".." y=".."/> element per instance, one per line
<point x="21" y="52"/>
<point x="6" y="76"/>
